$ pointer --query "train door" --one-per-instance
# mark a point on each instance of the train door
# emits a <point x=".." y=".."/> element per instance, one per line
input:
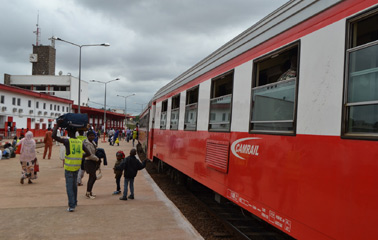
<point x="147" y="128"/>
<point x="28" y="123"/>
<point x="151" y="122"/>
<point x="10" y="125"/>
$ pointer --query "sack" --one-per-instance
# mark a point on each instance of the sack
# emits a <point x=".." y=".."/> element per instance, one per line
<point x="93" y="157"/>
<point x="36" y="168"/>
<point x="76" y="120"/>
<point x="13" y="153"/>
<point x="36" y="165"/>
<point x="98" y="174"/>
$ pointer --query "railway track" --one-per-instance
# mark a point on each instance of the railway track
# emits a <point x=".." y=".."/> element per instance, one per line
<point x="235" y="222"/>
<point x="239" y="222"/>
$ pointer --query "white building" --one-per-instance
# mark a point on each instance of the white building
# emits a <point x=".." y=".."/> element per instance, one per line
<point x="28" y="109"/>
<point x="63" y="86"/>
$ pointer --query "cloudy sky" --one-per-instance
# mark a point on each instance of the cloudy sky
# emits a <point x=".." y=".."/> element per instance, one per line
<point x="152" y="41"/>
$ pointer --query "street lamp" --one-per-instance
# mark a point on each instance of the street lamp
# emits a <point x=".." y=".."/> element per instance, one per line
<point x="80" y="46"/>
<point x="105" y="83"/>
<point x="140" y="104"/>
<point x="126" y="104"/>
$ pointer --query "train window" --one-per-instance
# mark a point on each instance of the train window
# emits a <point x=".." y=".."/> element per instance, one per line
<point x="361" y="93"/>
<point x="175" y="111"/>
<point x="190" y="122"/>
<point x="274" y="92"/>
<point x="220" y="102"/>
<point x="143" y="122"/>
<point x="163" y="116"/>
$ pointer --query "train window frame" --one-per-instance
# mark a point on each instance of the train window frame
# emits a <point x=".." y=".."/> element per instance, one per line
<point x="175" y="111"/>
<point x="164" y="112"/>
<point x="215" y="96"/>
<point x="143" y="122"/>
<point x="355" y="81"/>
<point x="191" y="107"/>
<point x="284" y="78"/>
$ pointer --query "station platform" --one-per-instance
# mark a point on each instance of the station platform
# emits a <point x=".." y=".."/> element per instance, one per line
<point x="38" y="210"/>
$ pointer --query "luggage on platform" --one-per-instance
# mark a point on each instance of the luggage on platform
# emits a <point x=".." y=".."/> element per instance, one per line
<point x="74" y="120"/>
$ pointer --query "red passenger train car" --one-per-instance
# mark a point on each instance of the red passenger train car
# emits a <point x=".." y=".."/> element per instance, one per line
<point x="283" y="120"/>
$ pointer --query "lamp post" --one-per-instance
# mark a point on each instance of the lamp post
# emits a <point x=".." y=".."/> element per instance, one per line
<point x="80" y="46"/>
<point x="140" y="104"/>
<point x="105" y="83"/>
<point x="126" y="105"/>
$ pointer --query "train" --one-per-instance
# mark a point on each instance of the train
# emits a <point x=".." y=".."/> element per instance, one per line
<point x="282" y="120"/>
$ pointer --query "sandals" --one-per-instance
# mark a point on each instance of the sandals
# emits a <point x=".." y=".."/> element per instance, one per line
<point x="89" y="195"/>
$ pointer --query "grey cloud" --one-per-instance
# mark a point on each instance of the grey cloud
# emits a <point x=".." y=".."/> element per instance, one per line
<point x="152" y="42"/>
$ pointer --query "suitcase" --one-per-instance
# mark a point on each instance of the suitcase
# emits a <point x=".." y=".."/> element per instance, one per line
<point x="74" y="120"/>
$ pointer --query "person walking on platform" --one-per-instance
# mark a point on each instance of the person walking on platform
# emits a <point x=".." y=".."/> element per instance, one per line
<point x="123" y="134"/>
<point x="135" y="135"/>
<point x="27" y="157"/>
<point x="115" y="137"/>
<point x="72" y="162"/>
<point x="58" y="134"/>
<point x="48" y="143"/>
<point x="91" y="164"/>
<point x="130" y="166"/>
<point x="120" y="155"/>
<point x="128" y="134"/>
<point x="110" y="135"/>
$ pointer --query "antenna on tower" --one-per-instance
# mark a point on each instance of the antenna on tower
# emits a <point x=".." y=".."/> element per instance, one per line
<point x="52" y="41"/>
<point x="37" y="33"/>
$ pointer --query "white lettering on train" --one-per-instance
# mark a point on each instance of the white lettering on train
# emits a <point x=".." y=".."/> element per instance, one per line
<point x="247" y="149"/>
<point x="238" y="147"/>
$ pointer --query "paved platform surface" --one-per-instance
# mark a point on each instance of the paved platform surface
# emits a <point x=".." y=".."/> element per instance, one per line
<point x="38" y="210"/>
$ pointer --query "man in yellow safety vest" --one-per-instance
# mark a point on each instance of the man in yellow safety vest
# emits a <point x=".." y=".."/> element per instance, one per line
<point x="72" y="162"/>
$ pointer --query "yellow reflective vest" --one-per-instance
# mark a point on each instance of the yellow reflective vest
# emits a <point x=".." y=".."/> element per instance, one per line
<point x="72" y="162"/>
<point x="82" y="138"/>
